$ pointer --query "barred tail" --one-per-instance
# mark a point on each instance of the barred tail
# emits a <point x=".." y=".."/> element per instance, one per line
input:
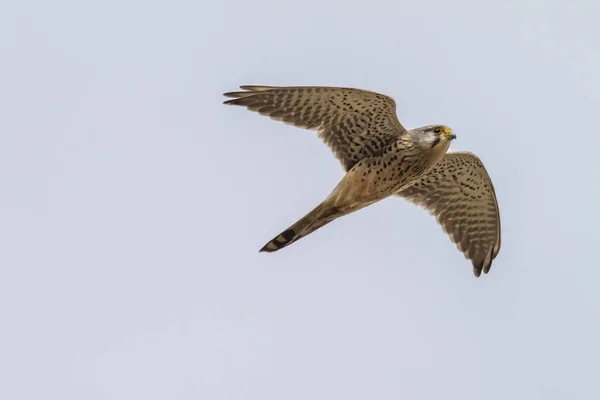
<point x="320" y="216"/>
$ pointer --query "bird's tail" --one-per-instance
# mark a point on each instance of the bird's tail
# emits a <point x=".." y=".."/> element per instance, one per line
<point x="318" y="217"/>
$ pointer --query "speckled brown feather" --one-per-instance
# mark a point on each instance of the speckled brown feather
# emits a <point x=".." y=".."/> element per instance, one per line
<point x="459" y="193"/>
<point x="354" y="123"/>
<point x="381" y="158"/>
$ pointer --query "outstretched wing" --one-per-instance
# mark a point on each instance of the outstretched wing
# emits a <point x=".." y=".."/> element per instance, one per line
<point x="354" y="123"/>
<point x="459" y="193"/>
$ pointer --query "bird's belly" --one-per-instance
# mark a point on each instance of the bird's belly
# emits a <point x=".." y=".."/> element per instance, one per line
<point x="374" y="180"/>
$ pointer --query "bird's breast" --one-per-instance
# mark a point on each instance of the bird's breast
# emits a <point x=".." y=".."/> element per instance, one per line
<point x="375" y="178"/>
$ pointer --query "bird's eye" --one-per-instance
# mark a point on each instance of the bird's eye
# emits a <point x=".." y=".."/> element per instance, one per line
<point x="437" y="130"/>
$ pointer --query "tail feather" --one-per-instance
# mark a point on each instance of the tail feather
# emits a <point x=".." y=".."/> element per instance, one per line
<point x="280" y="241"/>
<point x="314" y="220"/>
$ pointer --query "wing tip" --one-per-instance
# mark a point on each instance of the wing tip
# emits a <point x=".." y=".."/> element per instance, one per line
<point x="477" y="268"/>
<point x="485" y="265"/>
<point x="248" y="90"/>
<point x="256" y="88"/>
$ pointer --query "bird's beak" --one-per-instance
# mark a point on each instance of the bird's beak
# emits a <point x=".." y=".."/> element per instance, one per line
<point x="450" y="135"/>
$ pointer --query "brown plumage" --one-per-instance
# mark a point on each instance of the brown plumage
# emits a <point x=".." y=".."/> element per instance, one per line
<point x="353" y="123"/>
<point x="459" y="193"/>
<point x="381" y="158"/>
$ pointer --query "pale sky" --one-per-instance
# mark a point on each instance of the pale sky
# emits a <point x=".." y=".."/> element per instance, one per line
<point x="134" y="204"/>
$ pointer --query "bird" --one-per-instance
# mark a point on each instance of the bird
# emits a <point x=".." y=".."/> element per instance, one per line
<point x="381" y="159"/>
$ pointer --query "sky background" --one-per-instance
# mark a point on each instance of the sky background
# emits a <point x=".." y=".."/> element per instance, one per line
<point x="133" y="203"/>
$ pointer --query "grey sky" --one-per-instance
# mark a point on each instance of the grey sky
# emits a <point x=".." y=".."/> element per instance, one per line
<point x="134" y="204"/>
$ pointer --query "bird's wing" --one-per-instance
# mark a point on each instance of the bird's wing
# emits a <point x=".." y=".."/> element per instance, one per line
<point x="354" y="123"/>
<point x="459" y="193"/>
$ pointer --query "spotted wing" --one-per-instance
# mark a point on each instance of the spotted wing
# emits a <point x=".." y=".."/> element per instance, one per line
<point x="459" y="193"/>
<point x="354" y="123"/>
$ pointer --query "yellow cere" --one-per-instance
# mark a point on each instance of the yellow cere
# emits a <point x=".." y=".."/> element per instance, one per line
<point x="447" y="131"/>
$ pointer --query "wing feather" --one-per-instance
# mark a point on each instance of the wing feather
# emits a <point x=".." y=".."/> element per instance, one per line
<point x="459" y="193"/>
<point x="354" y="123"/>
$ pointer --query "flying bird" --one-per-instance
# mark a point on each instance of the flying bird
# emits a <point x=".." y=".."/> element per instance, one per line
<point x="381" y="158"/>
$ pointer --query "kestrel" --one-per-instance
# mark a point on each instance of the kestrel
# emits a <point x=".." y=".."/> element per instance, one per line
<point x="381" y="158"/>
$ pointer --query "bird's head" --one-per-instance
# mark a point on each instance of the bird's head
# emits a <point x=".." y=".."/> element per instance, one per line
<point x="433" y="137"/>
